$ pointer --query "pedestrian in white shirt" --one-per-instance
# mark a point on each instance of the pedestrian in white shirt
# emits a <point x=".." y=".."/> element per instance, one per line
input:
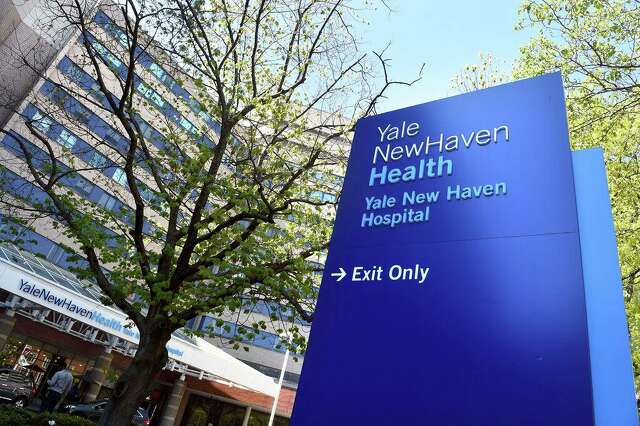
<point x="59" y="385"/>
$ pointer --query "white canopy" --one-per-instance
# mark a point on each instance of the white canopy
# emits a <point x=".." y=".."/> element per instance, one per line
<point x="45" y="284"/>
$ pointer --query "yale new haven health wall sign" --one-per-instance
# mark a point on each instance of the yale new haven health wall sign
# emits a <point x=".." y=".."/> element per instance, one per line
<point x="453" y="292"/>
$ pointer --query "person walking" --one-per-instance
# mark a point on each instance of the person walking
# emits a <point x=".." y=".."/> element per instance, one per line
<point x="59" y="385"/>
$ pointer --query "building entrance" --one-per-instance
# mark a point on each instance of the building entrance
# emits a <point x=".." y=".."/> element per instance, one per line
<point x="203" y="411"/>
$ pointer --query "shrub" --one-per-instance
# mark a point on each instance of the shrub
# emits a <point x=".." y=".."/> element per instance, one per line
<point x="60" y="419"/>
<point x="13" y="416"/>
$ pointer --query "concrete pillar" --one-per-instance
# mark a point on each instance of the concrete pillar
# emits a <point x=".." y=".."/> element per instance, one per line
<point x="98" y="375"/>
<point x="7" y="321"/>
<point x="173" y="402"/>
<point x="247" y="416"/>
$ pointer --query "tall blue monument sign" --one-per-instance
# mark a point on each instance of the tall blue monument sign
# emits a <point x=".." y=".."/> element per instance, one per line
<point x="453" y="293"/>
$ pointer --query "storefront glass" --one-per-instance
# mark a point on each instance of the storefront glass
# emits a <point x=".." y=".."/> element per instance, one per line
<point x="36" y="358"/>
<point x="203" y="411"/>
<point x="262" y="419"/>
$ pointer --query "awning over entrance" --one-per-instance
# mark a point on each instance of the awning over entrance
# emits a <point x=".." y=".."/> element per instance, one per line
<point x="55" y="289"/>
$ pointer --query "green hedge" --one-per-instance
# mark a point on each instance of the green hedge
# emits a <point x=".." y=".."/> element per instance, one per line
<point x="61" y="420"/>
<point x="13" y="416"/>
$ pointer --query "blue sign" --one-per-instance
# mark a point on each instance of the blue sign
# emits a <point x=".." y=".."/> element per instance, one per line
<point x="453" y="293"/>
<point x="614" y="394"/>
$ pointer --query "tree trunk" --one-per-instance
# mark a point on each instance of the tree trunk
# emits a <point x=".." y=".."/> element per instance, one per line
<point x="133" y="385"/>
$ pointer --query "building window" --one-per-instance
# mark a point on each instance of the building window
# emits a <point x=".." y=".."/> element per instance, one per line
<point x="323" y="197"/>
<point x="105" y="54"/>
<point x="107" y="201"/>
<point x="66" y="139"/>
<point x="57" y="254"/>
<point x="149" y="195"/>
<point x="187" y="125"/>
<point x="123" y="39"/>
<point x="262" y="419"/>
<point x="150" y="94"/>
<point x="41" y="122"/>
<point x="157" y="71"/>
<point x="204" y="116"/>
<point x="82" y="185"/>
<point x="203" y="411"/>
<point x="98" y="160"/>
<point x="115" y="139"/>
<point x="120" y="176"/>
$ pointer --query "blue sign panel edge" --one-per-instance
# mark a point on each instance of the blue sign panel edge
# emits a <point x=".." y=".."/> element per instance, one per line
<point x="611" y="369"/>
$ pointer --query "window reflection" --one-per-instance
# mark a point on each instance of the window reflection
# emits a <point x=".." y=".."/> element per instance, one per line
<point x="203" y="411"/>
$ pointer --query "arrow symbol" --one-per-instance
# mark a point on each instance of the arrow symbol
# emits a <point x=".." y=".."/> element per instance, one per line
<point x="340" y="274"/>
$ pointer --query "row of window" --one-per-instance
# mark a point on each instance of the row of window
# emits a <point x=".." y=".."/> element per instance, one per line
<point x="18" y="186"/>
<point x="229" y="330"/>
<point x="170" y="83"/>
<point x="324" y="197"/>
<point x="263" y="339"/>
<point x="166" y="108"/>
<point x="72" y="142"/>
<point x="164" y="77"/>
<point x="99" y="126"/>
<point x="87" y="82"/>
<point x="24" y="189"/>
<point x="102" y="129"/>
<point x="86" y="152"/>
<point x="86" y="116"/>
<point x="37" y="244"/>
<point x="273" y="309"/>
<point x="201" y="410"/>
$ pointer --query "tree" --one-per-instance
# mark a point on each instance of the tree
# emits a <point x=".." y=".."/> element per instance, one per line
<point x="486" y="73"/>
<point x="223" y="213"/>
<point x="595" y="45"/>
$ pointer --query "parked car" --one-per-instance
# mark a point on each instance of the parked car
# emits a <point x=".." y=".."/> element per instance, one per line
<point x="16" y="387"/>
<point x="93" y="411"/>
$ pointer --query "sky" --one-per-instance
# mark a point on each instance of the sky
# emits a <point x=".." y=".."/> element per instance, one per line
<point x="446" y="35"/>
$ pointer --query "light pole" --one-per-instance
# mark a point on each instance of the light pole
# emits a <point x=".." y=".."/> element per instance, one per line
<point x="275" y="399"/>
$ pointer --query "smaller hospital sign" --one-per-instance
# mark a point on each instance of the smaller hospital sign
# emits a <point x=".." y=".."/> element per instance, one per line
<point x="75" y="306"/>
<point x="47" y="296"/>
